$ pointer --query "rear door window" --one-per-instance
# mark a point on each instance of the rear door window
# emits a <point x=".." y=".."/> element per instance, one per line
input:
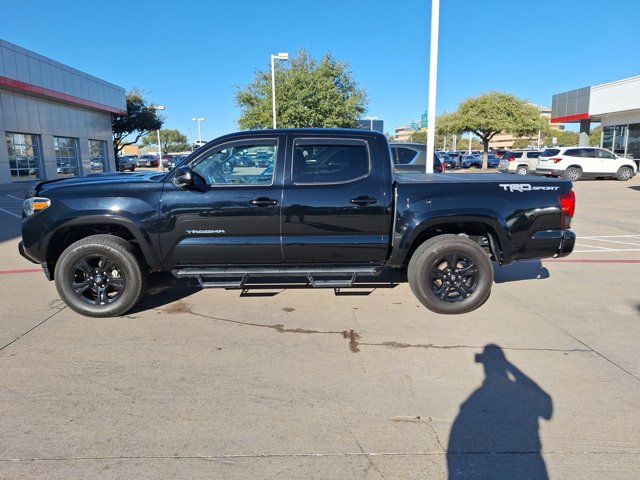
<point x="587" y="152"/>
<point x="533" y="154"/>
<point x="318" y="161"/>
<point x="573" y="152"/>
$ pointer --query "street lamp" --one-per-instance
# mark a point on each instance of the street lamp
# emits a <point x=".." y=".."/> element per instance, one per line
<point x="371" y="119"/>
<point x="199" y="119"/>
<point x="159" y="107"/>
<point x="433" y="78"/>
<point x="280" y="56"/>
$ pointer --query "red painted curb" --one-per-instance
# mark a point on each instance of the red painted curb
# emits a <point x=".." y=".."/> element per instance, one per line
<point x="25" y="270"/>
<point x="560" y="260"/>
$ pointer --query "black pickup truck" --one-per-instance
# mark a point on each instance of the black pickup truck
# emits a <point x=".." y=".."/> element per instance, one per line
<point x="322" y="204"/>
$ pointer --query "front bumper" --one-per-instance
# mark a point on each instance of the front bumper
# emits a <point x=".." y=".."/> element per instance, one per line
<point x="24" y="253"/>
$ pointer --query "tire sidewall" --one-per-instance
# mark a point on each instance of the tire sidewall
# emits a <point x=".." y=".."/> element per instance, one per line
<point x="426" y="260"/>
<point x="573" y="169"/>
<point x="525" y="170"/>
<point x="64" y="272"/>
<point x="619" y="174"/>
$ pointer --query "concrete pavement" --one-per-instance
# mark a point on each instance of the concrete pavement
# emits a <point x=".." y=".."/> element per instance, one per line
<point x="305" y="384"/>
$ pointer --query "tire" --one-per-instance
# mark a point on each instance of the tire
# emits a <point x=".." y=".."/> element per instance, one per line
<point x="522" y="170"/>
<point x="120" y="288"/>
<point x="572" y="173"/>
<point x="431" y="256"/>
<point x="624" y="174"/>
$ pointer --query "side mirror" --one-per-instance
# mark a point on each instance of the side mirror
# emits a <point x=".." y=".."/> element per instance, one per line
<point x="183" y="177"/>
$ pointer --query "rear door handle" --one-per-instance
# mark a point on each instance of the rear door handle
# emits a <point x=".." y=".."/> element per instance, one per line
<point x="263" y="202"/>
<point x="363" y="201"/>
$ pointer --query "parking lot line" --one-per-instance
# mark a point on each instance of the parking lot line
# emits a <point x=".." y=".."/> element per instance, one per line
<point x="17" y="198"/>
<point x="8" y="212"/>
<point x="612" y="241"/>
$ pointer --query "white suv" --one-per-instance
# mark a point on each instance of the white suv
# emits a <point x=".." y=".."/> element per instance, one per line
<point x="574" y="163"/>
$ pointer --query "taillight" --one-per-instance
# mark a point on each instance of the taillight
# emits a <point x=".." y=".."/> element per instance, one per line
<point x="511" y="159"/>
<point x="567" y="207"/>
<point x="556" y="160"/>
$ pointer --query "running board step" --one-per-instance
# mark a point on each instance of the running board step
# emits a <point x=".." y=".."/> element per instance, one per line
<point x="239" y="277"/>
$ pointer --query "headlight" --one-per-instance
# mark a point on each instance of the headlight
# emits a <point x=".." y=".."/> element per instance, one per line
<point x="35" y="204"/>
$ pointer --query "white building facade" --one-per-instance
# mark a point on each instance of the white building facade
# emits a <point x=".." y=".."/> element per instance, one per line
<point x="55" y="121"/>
<point x="616" y="105"/>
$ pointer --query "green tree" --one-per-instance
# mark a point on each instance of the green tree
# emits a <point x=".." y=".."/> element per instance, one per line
<point x="594" y="137"/>
<point x="490" y="114"/>
<point x="308" y="94"/>
<point x="170" y="141"/>
<point x="140" y="119"/>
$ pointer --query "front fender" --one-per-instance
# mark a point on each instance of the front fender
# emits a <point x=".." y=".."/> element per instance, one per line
<point x="123" y="219"/>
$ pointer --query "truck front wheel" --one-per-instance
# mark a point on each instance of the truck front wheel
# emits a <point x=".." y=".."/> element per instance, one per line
<point x="99" y="276"/>
<point x="450" y="274"/>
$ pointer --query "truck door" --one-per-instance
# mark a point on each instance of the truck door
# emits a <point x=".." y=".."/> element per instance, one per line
<point x="336" y="203"/>
<point x="235" y="219"/>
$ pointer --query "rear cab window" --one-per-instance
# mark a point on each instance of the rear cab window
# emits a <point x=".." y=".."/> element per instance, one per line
<point x="322" y="161"/>
<point x="403" y="155"/>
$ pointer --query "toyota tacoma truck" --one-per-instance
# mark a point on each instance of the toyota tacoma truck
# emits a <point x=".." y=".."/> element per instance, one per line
<point x="326" y="206"/>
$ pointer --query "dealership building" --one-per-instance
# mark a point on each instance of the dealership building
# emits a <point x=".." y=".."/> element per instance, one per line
<point x="615" y="105"/>
<point x="55" y="121"/>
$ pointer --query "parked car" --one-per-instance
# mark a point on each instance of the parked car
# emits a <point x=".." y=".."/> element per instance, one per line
<point x="175" y="160"/>
<point x="457" y="158"/>
<point x="263" y="159"/>
<point x="338" y="211"/>
<point x="574" y="163"/>
<point x="472" y="160"/>
<point x="411" y="158"/>
<point x="521" y="162"/>
<point x="148" y="161"/>
<point x="492" y="160"/>
<point x="126" y="163"/>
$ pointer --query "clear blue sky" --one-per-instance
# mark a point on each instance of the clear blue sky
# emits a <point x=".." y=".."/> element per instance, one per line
<point x="189" y="55"/>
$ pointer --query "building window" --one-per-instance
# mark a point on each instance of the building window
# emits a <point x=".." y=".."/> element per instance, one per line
<point x="98" y="155"/>
<point x="24" y="156"/>
<point x="607" y="138"/>
<point x="633" y="145"/>
<point x="67" y="160"/>
<point x="620" y="139"/>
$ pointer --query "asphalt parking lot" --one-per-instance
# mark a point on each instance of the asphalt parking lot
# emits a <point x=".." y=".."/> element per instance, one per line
<point x="543" y="381"/>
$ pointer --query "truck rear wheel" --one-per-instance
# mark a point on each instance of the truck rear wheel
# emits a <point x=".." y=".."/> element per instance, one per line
<point x="99" y="276"/>
<point x="450" y="274"/>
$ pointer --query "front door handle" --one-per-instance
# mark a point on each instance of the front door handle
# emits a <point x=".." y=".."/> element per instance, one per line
<point x="263" y="202"/>
<point x="364" y="201"/>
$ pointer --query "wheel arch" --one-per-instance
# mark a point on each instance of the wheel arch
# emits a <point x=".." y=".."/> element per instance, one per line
<point x="72" y="230"/>
<point x="473" y="226"/>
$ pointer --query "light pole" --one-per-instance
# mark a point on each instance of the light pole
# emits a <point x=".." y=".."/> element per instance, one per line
<point x="280" y="56"/>
<point x="371" y="119"/>
<point x="199" y="119"/>
<point x="159" y="107"/>
<point x="433" y="78"/>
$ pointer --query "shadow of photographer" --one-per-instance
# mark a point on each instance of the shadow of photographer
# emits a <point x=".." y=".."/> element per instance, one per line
<point x="496" y="434"/>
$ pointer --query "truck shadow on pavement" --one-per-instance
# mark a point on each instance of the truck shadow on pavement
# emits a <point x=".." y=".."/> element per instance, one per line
<point x="527" y="270"/>
<point x="164" y="288"/>
<point x="496" y="433"/>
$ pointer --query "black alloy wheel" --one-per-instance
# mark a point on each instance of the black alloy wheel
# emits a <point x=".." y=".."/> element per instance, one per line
<point x="453" y="278"/>
<point x="98" y="279"/>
